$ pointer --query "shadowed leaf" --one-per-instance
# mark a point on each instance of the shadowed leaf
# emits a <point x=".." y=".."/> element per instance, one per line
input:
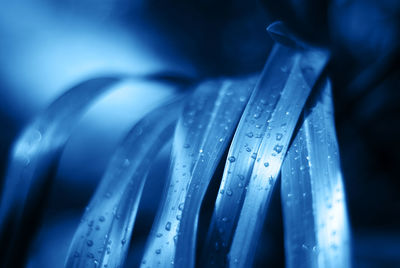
<point x="314" y="207"/>
<point x="33" y="158"/>
<point x="103" y="236"/>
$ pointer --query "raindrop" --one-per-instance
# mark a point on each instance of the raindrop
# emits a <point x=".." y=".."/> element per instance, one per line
<point x="89" y="243"/>
<point x="101" y="218"/>
<point x="229" y="192"/>
<point x="231" y="159"/>
<point x="158" y="251"/>
<point x="278" y="148"/>
<point x="250" y="134"/>
<point x="180" y="207"/>
<point x="266" y="164"/>
<point x="254" y="156"/>
<point x="279" y="136"/>
<point x="168" y="226"/>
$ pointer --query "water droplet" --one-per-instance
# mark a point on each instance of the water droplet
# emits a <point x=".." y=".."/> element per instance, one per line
<point x="180" y="207"/>
<point x="158" y="234"/>
<point x="224" y="219"/>
<point x="101" y="218"/>
<point x="266" y="164"/>
<point x="279" y="136"/>
<point x="229" y="192"/>
<point x="254" y="156"/>
<point x="278" y="148"/>
<point x="248" y="149"/>
<point x="168" y="226"/>
<point x="123" y="241"/>
<point x="158" y="251"/>
<point x="250" y="134"/>
<point x="186" y="146"/>
<point x="89" y="243"/>
<point x="231" y="159"/>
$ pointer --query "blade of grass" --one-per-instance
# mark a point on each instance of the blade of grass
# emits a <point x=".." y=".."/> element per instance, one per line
<point x="103" y="236"/>
<point x="314" y="207"/>
<point x="32" y="160"/>
<point x="201" y="137"/>
<point x="259" y="146"/>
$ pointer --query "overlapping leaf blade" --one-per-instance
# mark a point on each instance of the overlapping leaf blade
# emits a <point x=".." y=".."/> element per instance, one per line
<point x="259" y="146"/>
<point x="103" y="236"/>
<point x="314" y="209"/>
<point x="33" y="158"/>
<point x="201" y="137"/>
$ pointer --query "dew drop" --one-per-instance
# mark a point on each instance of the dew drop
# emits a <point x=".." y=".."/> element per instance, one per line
<point x="231" y="159"/>
<point x="278" y="148"/>
<point x="168" y="226"/>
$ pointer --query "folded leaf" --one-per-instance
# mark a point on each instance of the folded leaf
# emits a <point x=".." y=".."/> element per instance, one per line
<point x="259" y="145"/>
<point x="103" y="236"/>
<point x="313" y="201"/>
<point x="202" y="135"/>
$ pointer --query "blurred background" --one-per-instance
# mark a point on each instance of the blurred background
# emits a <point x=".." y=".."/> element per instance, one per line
<point x="48" y="46"/>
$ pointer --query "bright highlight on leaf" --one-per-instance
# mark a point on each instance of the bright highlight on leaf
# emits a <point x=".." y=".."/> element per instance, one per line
<point x="259" y="145"/>
<point x="201" y="137"/>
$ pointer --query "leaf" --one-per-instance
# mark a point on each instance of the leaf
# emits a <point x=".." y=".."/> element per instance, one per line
<point x="314" y="207"/>
<point x="258" y="147"/>
<point x="33" y="159"/>
<point x="103" y="236"/>
<point x="203" y="132"/>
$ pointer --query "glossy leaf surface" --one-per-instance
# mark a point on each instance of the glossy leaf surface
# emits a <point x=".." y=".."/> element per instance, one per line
<point x="259" y="146"/>
<point x="201" y="137"/>
<point x="314" y="207"/>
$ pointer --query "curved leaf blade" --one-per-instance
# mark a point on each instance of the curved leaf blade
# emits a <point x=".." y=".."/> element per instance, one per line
<point x="259" y="145"/>
<point x="307" y="68"/>
<point x="103" y="236"/>
<point x="201" y="137"/>
<point x="33" y="158"/>
<point x="316" y="225"/>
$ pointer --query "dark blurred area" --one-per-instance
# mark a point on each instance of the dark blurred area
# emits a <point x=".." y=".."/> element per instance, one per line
<point x="48" y="46"/>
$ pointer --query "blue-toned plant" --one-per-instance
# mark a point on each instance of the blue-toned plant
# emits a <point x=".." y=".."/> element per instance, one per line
<point x="278" y="124"/>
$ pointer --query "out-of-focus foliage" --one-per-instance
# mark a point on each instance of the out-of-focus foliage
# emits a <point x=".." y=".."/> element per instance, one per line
<point x="47" y="47"/>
